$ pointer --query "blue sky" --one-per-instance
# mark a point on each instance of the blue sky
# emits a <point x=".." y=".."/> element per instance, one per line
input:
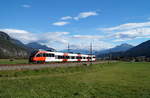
<point x="106" y="23"/>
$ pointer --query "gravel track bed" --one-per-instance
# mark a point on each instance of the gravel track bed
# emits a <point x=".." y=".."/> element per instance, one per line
<point x="39" y="66"/>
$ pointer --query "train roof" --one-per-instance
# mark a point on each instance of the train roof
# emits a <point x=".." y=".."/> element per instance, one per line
<point x="61" y="53"/>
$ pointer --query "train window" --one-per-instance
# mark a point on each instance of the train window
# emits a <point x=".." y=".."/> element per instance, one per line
<point x="72" y="57"/>
<point x="44" y="54"/>
<point x="84" y="57"/>
<point x="39" y="55"/>
<point x="49" y="55"/>
<point x="79" y="57"/>
<point x="66" y="57"/>
<point x="52" y="55"/>
<point x="60" y="57"/>
<point x="89" y="58"/>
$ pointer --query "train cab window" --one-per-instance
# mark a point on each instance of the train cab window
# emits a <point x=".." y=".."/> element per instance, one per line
<point x="39" y="55"/>
<point x="50" y="55"/>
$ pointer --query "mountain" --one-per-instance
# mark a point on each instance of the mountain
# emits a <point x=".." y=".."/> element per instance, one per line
<point x="119" y="48"/>
<point x="35" y="45"/>
<point x="10" y="49"/>
<point x="142" y="49"/>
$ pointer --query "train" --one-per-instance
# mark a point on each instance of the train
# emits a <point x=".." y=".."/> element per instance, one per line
<point x="43" y="56"/>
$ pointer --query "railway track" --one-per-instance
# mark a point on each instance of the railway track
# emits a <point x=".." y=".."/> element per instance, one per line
<point x="39" y="66"/>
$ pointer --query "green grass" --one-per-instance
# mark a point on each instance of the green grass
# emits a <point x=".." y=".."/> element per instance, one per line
<point x="113" y="80"/>
<point x="14" y="61"/>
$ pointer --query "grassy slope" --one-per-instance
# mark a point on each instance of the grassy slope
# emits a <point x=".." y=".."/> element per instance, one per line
<point x="125" y="80"/>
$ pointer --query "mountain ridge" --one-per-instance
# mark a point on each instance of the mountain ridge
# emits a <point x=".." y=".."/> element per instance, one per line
<point x="8" y="49"/>
<point x="38" y="46"/>
<point x="119" y="48"/>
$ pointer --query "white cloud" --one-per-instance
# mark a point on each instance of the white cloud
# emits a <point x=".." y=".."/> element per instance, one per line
<point x="26" y="36"/>
<point x="127" y="26"/>
<point x="10" y="31"/>
<point x="128" y="31"/>
<point x="58" y="40"/>
<point x="88" y="36"/>
<point x="79" y="16"/>
<point x="131" y="34"/>
<point x="56" y="37"/>
<point x="66" y="18"/>
<point x="61" y="23"/>
<point x="26" y="6"/>
<point x="85" y="44"/>
<point x="85" y="15"/>
<point x="21" y="35"/>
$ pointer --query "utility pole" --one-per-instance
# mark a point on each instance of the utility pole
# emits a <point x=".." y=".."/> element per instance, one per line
<point x="68" y="48"/>
<point x="91" y="52"/>
<point x="110" y="54"/>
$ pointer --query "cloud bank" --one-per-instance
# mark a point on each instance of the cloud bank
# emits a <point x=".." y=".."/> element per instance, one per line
<point x="128" y="31"/>
<point x="58" y="40"/>
<point x="81" y="15"/>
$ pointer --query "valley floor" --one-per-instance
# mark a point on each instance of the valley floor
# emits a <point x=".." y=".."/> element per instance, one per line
<point x="107" y="80"/>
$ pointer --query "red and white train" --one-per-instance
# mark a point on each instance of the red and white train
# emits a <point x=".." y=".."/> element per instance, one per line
<point x="42" y="56"/>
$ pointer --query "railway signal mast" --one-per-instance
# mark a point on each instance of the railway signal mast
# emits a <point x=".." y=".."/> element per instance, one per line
<point x="91" y="52"/>
<point x="68" y="48"/>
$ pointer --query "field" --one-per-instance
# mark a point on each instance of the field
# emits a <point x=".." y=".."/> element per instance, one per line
<point x="108" y="80"/>
<point x="13" y="61"/>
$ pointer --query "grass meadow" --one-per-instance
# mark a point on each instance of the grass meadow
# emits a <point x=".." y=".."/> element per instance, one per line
<point x="108" y="80"/>
<point x="14" y="61"/>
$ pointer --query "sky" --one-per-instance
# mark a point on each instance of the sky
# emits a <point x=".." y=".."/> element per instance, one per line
<point x="55" y="23"/>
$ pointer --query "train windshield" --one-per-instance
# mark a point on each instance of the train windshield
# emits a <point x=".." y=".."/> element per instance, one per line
<point x="33" y="53"/>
